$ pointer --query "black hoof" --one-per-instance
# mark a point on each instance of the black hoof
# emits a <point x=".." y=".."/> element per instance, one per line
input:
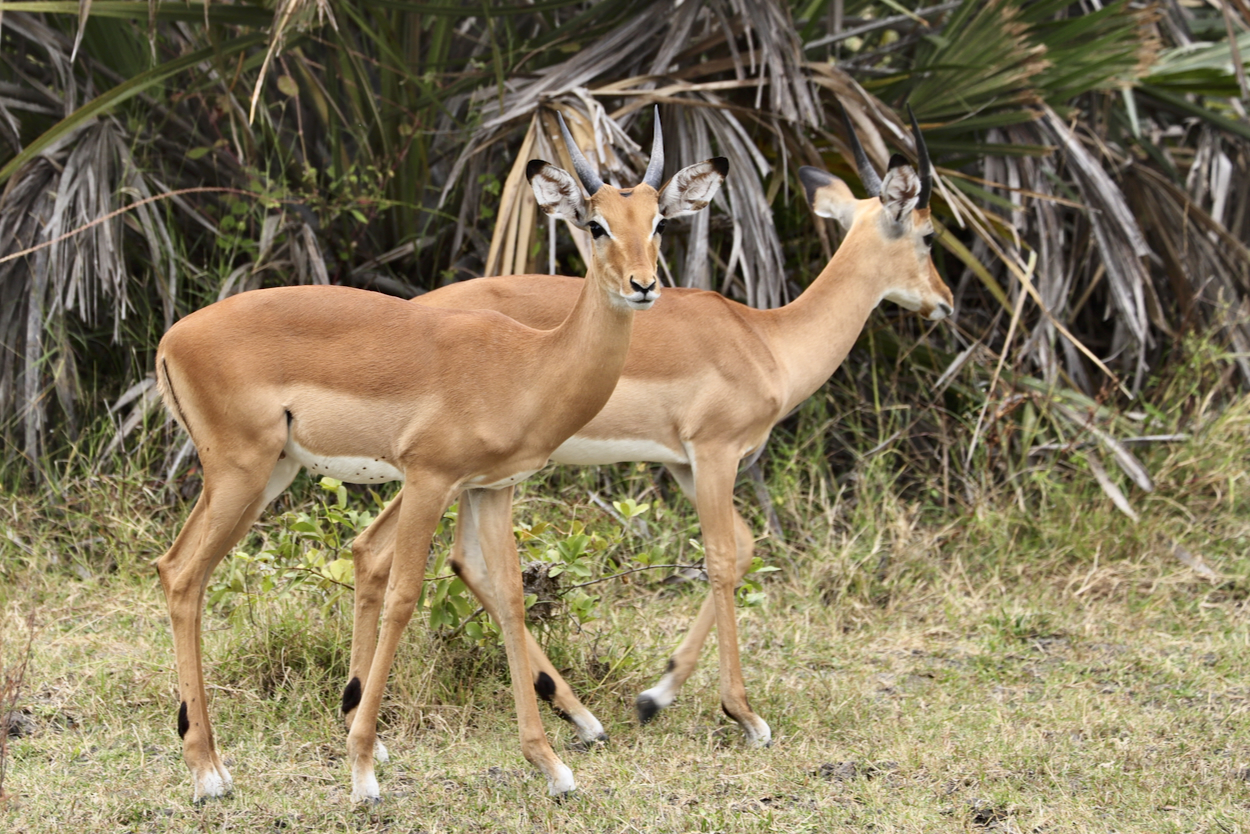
<point x="204" y="800"/>
<point x="583" y="746"/>
<point x="647" y="708"/>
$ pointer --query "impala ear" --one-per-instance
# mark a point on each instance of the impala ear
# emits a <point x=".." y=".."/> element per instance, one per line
<point x="900" y="190"/>
<point x="693" y="187"/>
<point x="558" y="194"/>
<point x="828" y="195"/>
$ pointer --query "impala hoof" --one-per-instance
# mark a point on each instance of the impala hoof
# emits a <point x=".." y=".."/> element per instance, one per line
<point x="652" y="701"/>
<point x="647" y="708"/>
<point x="561" y="783"/>
<point x="758" y="736"/>
<point x="583" y="745"/>
<point x="216" y="784"/>
<point x="365" y="789"/>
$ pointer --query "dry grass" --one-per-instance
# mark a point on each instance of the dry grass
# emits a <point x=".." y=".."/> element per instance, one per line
<point x="992" y="667"/>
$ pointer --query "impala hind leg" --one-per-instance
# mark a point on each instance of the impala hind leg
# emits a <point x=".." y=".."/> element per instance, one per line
<point x="469" y="563"/>
<point x="493" y="510"/>
<point x="225" y="511"/>
<point x="371" y="566"/>
<point x="418" y="515"/>
<point x="712" y="495"/>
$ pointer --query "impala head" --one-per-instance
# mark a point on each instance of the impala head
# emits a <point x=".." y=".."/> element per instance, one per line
<point x="625" y="223"/>
<point x="894" y="223"/>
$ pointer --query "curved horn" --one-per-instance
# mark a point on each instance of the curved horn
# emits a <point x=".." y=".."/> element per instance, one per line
<point x="589" y="177"/>
<point x="867" y="174"/>
<point x="926" y="167"/>
<point x="655" y="170"/>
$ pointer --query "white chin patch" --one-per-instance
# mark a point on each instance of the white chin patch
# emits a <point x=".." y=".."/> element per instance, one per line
<point x="640" y="301"/>
<point x="906" y="300"/>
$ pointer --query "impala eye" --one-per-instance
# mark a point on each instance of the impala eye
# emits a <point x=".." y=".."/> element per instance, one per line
<point x="928" y="240"/>
<point x="596" y="231"/>
<point x="659" y="227"/>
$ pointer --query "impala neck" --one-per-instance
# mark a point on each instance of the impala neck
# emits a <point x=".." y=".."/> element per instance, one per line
<point x="815" y="332"/>
<point x="587" y="354"/>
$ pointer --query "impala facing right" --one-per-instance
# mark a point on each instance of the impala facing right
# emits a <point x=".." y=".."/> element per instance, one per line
<point x="705" y="381"/>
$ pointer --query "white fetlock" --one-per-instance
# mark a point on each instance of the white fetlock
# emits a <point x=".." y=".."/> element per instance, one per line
<point x="660" y="695"/>
<point x="380" y="754"/>
<point x="227" y="780"/>
<point x="561" y="782"/>
<point x="210" y="785"/>
<point x="759" y="735"/>
<point x="365" y="787"/>
<point x="589" y="730"/>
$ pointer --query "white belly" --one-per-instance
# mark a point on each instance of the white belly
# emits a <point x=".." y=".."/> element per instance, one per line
<point x="586" y="451"/>
<point x="352" y="470"/>
<point x="511" y="480"/>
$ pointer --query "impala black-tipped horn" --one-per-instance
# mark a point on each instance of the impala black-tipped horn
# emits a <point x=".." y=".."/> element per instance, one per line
<point x="867" y="174"/>
<point x="926" y="167"/>
<point x="655" y="170"/>
<point x="589" y="176"/>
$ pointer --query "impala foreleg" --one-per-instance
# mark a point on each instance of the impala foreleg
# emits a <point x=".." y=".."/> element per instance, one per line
<point x="493" y="511"/>
<point x="417" y="518"/>
<point x="469" y="564"/>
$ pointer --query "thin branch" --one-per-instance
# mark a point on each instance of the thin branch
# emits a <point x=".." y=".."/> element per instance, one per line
<point x="627" y="573"/>
<point x="883" y="23"/>
<point x="168" y="194"/>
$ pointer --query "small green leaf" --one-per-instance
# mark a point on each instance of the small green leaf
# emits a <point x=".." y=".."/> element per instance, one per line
<point x="340" y="570"/>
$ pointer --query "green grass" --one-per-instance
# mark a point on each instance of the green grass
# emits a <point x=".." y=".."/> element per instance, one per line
<point x="1024" y="660"/>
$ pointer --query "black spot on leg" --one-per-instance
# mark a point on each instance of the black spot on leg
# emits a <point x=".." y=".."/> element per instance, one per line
<point x="545" y="687"/>
<point x="672" y="664"/>
<point x="456" y="568"/>
<point x="183" y="723"/>
<point x="351" y="695"/>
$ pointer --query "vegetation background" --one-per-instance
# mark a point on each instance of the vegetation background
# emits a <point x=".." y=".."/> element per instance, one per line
<point x="1012" y="547"/>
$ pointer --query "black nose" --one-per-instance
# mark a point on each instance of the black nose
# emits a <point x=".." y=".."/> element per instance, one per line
<point x="945" y="308"/>
<point x="647" y="290"/>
